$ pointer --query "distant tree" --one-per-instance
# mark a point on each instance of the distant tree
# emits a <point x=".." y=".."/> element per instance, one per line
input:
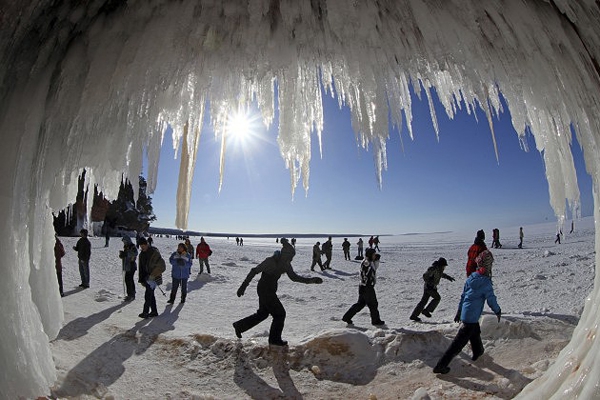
<point x="131" y="214"/>
<point x="124" y="211"/>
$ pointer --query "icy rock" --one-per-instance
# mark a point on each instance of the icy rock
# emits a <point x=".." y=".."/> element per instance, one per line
<point x="420" y="394"/>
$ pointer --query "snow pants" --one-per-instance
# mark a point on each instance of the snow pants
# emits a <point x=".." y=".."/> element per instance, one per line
<point x="366" y="297"/>
<point x="466" y="333"/>
<point x="435" y="300"/>
<point x="268" y="304"/>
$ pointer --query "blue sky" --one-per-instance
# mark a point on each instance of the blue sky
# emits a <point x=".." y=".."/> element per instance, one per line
<point x="455" y="184"/>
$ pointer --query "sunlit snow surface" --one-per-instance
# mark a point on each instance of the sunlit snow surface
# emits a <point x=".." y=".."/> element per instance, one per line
<point x="95" y="85"/>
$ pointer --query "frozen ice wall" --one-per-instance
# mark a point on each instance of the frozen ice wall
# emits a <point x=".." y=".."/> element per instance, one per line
<point x="94" y="84"/>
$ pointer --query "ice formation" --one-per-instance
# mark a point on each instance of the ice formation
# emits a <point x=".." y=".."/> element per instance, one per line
<point x="94" y="84"/>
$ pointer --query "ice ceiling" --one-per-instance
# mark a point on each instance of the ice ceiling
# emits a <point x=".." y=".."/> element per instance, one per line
<point x="93" y="84"/>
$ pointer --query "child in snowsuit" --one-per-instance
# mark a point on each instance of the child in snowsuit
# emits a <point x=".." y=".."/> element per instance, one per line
<point x="271" y="270"/>
<point x="478" y="289"/>
<point x="366" y="290"/>
<point x="181" y="266"/>
<point x="432" y="279"/>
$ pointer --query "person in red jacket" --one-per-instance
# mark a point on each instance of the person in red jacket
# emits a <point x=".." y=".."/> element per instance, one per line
<point x="203" y="251"/>
<point x="477" y="247"/>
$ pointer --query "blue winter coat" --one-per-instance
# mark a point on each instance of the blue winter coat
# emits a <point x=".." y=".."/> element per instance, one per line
<point x="181" y="265"/>
<point x="478" y="289"/>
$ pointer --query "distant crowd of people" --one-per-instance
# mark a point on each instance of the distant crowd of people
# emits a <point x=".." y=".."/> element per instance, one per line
<point x="145" y="258"/>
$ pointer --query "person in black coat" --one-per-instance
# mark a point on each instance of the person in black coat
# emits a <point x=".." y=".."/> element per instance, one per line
<point x="83" y="247"/>
<point x="432" y="278"/>
<point x="271" y="270"/>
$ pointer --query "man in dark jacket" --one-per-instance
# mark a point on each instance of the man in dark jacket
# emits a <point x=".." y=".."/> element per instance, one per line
<point x="83" y="247"/>
<point x="478" y="290"/>
<point x="327" y="249"/>
<point x="432" y="278"/>
<point x="477" y="247"/>
<point x="271" y="270"/>
<point x="316" y="257"/>
<point x="151" y="266"/>
<point x="366" y="290"/>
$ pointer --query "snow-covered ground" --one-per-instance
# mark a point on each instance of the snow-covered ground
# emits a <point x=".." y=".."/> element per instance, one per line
<point x="190" y="351"/>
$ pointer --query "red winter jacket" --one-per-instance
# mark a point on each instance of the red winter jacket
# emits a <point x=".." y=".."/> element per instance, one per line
<point x="472" y="254"/>
<point x="203" y="250"/>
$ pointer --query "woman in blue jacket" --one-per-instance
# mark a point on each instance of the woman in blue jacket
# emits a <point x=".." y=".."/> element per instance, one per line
<point x="181" y="263"/>
<point x="478" y="290"/>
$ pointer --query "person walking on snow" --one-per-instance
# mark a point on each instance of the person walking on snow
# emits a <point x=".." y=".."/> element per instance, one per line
<point x="478" y="289"/>
<point x="376" y="243"/>
<point x="477" y="247"/>
<point x="360" y="245"/>
<point x="181" y="267"/>
<point x="521" y="235"/>
<point x="327" y="249"/>
<point x="128" y="256"/>
<point x="203" y="251"/>
<point x="346" y="248"/>
<point x="271" y="270"/>
<point x="152" y="266"/>
<point x="316" y="257"/>
<point x="83" y="247"/>
<point x="432" y="279"/>
<point x="366" y="290"/>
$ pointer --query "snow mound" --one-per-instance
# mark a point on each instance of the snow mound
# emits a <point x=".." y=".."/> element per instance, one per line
<point x="491" y="329"/>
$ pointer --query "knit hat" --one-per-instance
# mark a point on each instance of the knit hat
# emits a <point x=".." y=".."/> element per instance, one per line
<point x="126" y="239"/>
<point x="442" y="262"/>
<point x="484" y="261"/>
<point x="481" y="234"/>
<point x="287" y="251"/>
<point x="142" y="241"/>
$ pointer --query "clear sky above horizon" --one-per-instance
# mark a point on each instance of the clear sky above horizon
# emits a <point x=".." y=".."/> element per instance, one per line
<point x="454" y="184"/>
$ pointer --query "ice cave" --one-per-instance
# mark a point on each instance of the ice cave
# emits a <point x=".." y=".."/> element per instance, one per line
<point x="94" y="84"/>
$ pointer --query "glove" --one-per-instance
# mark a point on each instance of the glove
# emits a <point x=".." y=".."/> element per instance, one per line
<point x="498" y="314"/>
<point x="316" y="279"/>
<point x="451" y="279"/>
<point x="457" y="317"/>
<point x="241" y="291"/>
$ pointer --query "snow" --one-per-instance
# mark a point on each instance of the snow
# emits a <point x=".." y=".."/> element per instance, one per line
<point x="190" y="350"/>
<point x="95" y="85"/>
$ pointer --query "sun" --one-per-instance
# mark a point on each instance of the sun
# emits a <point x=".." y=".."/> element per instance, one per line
<point x="240" y="125"/>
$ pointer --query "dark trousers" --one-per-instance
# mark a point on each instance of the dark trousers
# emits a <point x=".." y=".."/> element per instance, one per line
<point x="60" y="284"/>
<point x="175" y="286"/>
<point x="366" y="297"/>
<point x="315" y="262"/>
<point x="327" y="260"/>
<point x="268" y="304"/>
<point x="149" y="300"/>
<point x="84" y="272"/>
<point x="435" y="300"/>
<point x="466" y="333"/>
<point x="203" y="261"/>
<point x="360" y="252"/>
<point x="347" y="254"/>
<point x="129" y="283"/>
